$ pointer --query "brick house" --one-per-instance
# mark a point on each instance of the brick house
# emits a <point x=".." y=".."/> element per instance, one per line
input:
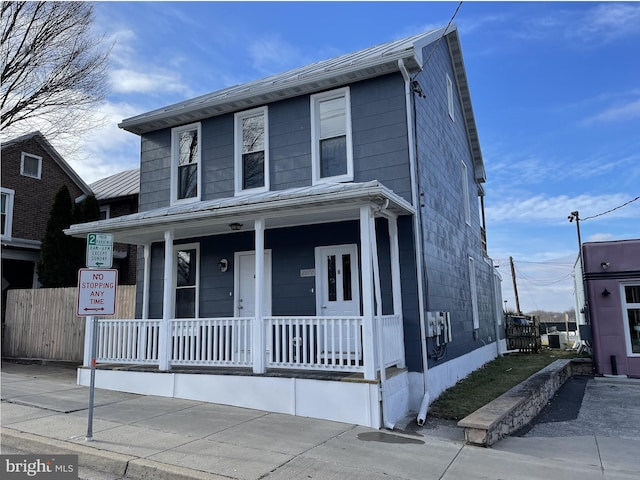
<point x="32" y="174"/>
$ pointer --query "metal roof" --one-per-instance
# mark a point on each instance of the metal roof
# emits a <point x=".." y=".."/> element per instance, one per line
<point x="367" y="63"/>
<point x="122" y="184"/>
<point x="329" y="202"/>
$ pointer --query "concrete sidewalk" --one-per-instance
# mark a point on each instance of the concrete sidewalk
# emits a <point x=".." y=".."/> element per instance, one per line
<point x="144" y="437"/>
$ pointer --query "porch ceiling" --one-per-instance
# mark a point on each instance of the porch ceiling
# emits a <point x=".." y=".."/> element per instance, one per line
<point x="302" y="206"/>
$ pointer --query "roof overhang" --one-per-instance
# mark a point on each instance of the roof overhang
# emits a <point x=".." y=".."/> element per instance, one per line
<point x="333" y="73"/>
<point x="302" y="206"/>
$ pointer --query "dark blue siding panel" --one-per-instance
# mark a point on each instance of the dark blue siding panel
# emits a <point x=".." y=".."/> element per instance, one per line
<point x="449" y="241"/>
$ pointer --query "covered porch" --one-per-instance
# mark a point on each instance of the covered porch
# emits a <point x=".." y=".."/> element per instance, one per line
<point x="352" y="350"/>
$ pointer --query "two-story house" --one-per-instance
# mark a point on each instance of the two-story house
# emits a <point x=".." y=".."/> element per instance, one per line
<point x="32" y="174"/>
<point x="311" y="243"/>
<point x="117" y="195"/>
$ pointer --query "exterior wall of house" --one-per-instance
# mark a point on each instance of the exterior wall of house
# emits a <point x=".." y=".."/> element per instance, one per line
<point x="126" y="265"/>
<point x="31" y="212"/>
<point x="379" y="145"/>
<point x="449" y="241"/>
<point x="611" y="333"/>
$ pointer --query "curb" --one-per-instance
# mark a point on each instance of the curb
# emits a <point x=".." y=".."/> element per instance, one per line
<point x="126" y="466"/>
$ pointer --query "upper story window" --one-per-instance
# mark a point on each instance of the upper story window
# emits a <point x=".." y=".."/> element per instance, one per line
<point x="251" y="151"/>
<point x="465" y="194"/>
<point x="105" y="212"/>
<point x="30" y="165"/>
<point x="450" y="97"/>
<point x="331" y="149"/>
<point x="185" y="163"/>
<point x="6" y="212"/>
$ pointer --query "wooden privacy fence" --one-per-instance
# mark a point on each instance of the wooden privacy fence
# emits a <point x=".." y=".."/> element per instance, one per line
<point x="42" y="323"/>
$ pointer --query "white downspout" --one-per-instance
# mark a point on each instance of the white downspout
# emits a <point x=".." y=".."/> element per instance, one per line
<point x="417" y="227"/>
<point x="378" y="316"/>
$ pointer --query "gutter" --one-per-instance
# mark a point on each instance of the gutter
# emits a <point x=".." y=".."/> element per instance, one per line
<point x="417" y="231"/>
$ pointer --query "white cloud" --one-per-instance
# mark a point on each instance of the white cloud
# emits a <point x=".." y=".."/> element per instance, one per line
<point x="618" y="113"/>
<point x="270" y="55"/>
<point x="606" y="22"/>
<point x="555" y="209"/>
<point x="131" y="81"/>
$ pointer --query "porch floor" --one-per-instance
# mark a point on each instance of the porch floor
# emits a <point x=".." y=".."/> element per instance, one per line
<point x="247" y="372"/>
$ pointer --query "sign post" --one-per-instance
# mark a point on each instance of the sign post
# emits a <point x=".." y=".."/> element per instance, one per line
<point x="96" y="296"/>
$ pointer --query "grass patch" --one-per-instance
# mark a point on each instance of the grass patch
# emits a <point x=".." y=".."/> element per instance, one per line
<point x="491" y="381"/>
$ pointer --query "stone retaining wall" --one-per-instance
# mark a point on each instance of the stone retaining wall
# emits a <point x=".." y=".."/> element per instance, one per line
<point x="516" y="408"/>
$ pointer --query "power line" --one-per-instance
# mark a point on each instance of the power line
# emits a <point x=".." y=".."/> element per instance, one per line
<point x="435" y="45"/>
<point x="612" y="210"/>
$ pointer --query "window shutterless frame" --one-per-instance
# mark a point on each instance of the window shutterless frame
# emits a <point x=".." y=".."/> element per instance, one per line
<point x="450" y="98"/>
<point x="6" y="212"/>
<point x="186" y="168"/>
<point x="251" y="151"/>
<point x="186" y="280"/>
<point x="331" y="140"/>
<point x="630" y="303"/>
<point x="30" y="165"/>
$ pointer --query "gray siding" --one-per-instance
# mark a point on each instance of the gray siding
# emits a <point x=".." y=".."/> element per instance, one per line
<point x="448" y="240"/>
<point x="379" y="143"/>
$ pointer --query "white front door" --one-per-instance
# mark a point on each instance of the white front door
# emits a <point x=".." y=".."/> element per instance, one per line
<point x="245" y="279"/>
<point x="337" y="287"/>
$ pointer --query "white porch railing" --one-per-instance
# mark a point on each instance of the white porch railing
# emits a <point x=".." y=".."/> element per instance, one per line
<point x="315" y="343"/>
<point x="128" y="341"/>
<point x="300" y="342"/>
<point x="393" y="340"/>
<point x="211" y="342"/>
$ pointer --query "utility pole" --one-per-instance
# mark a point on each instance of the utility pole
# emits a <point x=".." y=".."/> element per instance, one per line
<point x="515" y="287"/>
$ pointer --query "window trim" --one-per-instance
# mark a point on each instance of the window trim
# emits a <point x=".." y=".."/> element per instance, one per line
<point x="8" y="213"/>
<point x="107" y="211"/>
<point x="30" y="155"/>
<point x="466" y="199"/>
<point x="474" y="293"/>
<point x="625" y="316"/>
<point x="450" y="98"/>
<point x="175" y="147"/>
<point x="315" y="100"/>
<point x="176" y="248"/>
<point x="238" y="131"/>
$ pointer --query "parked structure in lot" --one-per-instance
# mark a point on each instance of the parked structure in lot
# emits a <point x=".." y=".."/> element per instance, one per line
<point x="318" y="234"/>
<point x="608" y="303"/>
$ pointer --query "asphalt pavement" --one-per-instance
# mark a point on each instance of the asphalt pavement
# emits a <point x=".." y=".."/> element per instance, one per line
<point x="44" y="411"/>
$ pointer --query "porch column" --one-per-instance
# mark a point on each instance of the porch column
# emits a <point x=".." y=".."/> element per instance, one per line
<point x="258" y="339"/>
<point x="146" y="249"/>
<point x="368" y="302"/>
<point x="164" y="347"/>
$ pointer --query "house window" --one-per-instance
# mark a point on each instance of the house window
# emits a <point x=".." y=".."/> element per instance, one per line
<point x="251" y="151"/>
<point x="331" y="153"/>
<point x="186" y="280"/>
<point x="6" y="212"/>
<point x="465" y="194"/>
<point x="631" y="314"/>
<point x="30" y="165"/>
<point x="450" y="97"/>
<point x="474" y="293"/>
<point x="105" y="212"/>
<point x="185" y="165"/>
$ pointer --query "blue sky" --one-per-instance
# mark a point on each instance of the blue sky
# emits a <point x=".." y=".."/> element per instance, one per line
<point x="555" y="88"/>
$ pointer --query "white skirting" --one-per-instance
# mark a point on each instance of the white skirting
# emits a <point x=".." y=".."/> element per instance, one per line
<point x="342" y="401"/>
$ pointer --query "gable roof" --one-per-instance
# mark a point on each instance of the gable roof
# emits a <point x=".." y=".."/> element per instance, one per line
<point x="122" y="184"/>
<point x="53" y="153"/>
<point x="352" y="67"/>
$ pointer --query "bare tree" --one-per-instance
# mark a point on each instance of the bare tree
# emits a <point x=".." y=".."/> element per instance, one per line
<point x="54" y="70"/>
